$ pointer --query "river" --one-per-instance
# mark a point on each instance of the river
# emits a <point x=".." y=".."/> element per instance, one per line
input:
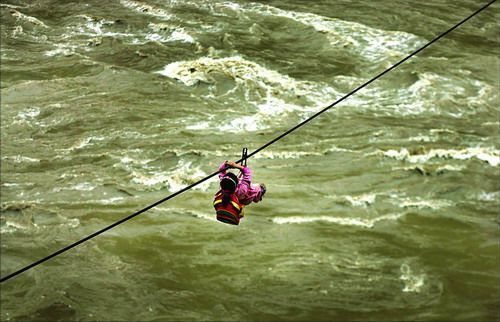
<point x="384" y="208"/>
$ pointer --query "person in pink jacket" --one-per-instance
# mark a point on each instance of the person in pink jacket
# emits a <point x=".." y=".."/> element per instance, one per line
<point x="242" y="187"/>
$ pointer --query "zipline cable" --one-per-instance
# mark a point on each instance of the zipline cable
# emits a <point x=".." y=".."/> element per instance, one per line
<point x="62" y="250"/>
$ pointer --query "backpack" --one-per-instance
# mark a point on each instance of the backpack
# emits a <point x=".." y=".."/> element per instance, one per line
<point x="230" y="213"/>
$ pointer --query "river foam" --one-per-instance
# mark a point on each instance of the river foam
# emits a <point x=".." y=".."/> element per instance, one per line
<point x="183" y="174"/>
<point x="488" y="155"/>
<point x="147" y="9"/>
<point x="372" y="44"/>
<point x="344" y="221"/>
<point x="271" y="93"/>
<point x="413" y="282"/>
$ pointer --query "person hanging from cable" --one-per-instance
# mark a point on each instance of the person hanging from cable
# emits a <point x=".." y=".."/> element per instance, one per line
<point x="236" y="191"/>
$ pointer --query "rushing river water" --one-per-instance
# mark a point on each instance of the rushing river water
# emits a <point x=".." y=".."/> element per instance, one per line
<point x="384" y="208"/>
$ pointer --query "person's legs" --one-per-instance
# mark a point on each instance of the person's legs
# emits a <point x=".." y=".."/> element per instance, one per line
<point x="263" y="191"/>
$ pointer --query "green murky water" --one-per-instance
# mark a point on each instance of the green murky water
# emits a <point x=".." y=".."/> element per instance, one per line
<point x="385" y="208"/>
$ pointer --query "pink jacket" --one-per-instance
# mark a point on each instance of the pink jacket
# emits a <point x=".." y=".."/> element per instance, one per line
<point x="246" y="192"/>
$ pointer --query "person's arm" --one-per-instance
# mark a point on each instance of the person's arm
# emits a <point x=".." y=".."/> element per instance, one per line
<point x="245" y="171"/>
<point x="234" y="165"/>
<point x="222" y="168"/>
<point x="228" y="165"/>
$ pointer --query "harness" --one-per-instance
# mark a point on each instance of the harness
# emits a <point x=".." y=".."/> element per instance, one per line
<point x="230" y="213"/>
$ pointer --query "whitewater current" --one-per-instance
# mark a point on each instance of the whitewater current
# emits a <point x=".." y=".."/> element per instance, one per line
<point x="386" y="207"/>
